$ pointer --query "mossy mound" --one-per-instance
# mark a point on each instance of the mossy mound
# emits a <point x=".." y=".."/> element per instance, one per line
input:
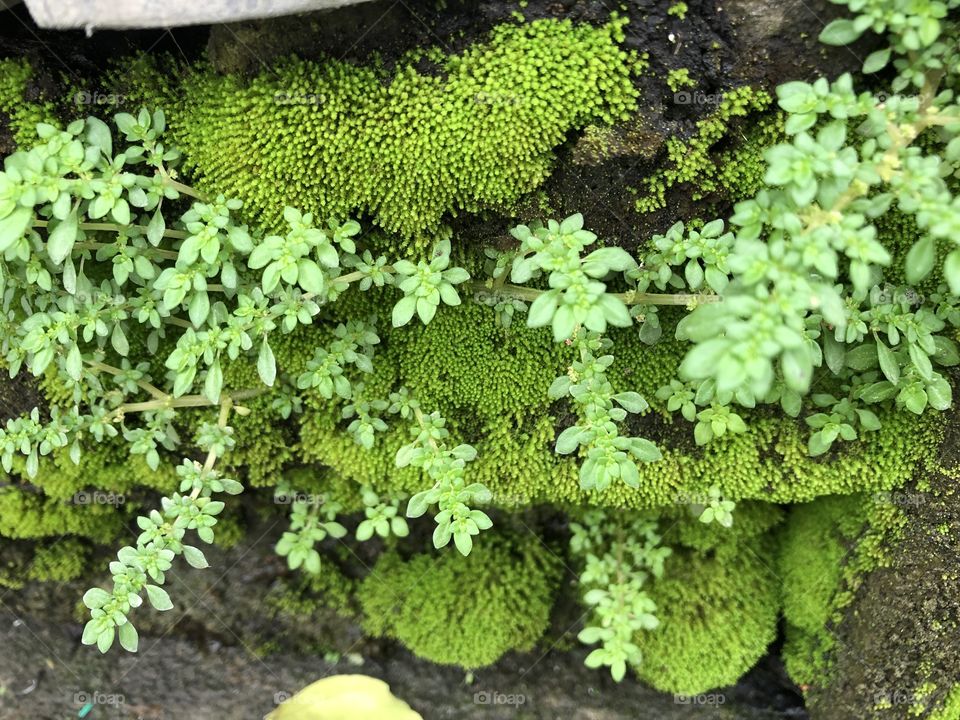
<point x="405" y="146"/>
<point x="718" y="614"/>
<point x="465" y="611"/>
<point x="828" y="545"/>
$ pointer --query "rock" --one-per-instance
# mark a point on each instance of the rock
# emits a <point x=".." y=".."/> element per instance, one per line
<point x="776" y="40"/>
<point x="899" y="645"/>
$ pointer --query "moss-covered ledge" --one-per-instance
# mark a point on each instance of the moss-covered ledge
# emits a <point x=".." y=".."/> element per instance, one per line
<point x="896" y="650"/>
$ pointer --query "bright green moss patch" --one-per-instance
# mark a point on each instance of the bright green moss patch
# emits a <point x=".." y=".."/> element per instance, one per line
<point x="22" y="116"/>
<point x="718" y="613"/>
<point x="465" y="361"/>
<point x="828" y="545"/>
<point x="707" y="165"/>
<point x="951" y="708"/>
<point x="465" y="611"/>
<point x="404" y="146"/>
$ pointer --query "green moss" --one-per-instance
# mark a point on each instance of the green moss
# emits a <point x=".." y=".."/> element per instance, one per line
<point x="21" y="114"/>
<point x="707" y="162"/>
<point x="63" y="561"/>
<point x="465" y="611"/>
<point x="491" y="386"/>
<point x="950" y="710"/>
<point x="718" y="613"/>
<point x="680" y="78"/>
<point x="751" y="519"/>
<point x="406" y="147"/>
<point x="464" y="362"/>
<point x="828" y="546"/>
<point x="28" y="515"/>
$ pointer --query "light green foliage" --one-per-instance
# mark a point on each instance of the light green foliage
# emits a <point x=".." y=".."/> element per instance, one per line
<point x="828" y="545"/>
<point x="381" y="518"/>
<point x="577" y="295"/>
<point x="718" y="613"/>
<point x="716" y="508"/>
<point x="445" y="465"/>
<point x="698" y="162"/>
<point x="831" y="308"/>
<point x="310" y="523"/>
<point x="427" y="602"/>
<point x="74" y="196"/>
<point x="405" y="147"/>
<point x="618" y="555"/>
<point x="425" y="284"/>
<point x="609" y="456"/>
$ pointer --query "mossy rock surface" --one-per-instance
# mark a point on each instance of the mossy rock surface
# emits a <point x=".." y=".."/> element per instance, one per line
<point x="897" y="645"/>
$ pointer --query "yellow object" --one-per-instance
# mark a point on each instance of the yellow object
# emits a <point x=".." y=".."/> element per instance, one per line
<point x="345" y="697"/>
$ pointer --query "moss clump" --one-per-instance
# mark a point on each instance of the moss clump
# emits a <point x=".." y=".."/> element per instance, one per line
<point x="406" y="147"/>
<point x="680" y="78"/>
<point x="705" y="164"/>
<point x="60" y="562"/>
<point x="751" y="519"/>
<point x="950" y="710"/>
<point x="28" y="515"/>
<point x="718" y="613"/>
<point x="828" y="546"/>
<point x="22" y="115"/>
<point x="464" y="362"/>
<point x="465" y="611"/>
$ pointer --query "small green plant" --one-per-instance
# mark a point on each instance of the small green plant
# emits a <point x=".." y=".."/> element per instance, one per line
<point x="618" y="556"/>
<point x="680" y="78"/>
<point x="678" y="10"/>
<point x="717" y="508"/>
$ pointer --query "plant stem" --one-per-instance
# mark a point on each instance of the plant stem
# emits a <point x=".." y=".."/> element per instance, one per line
<point x="631" y="297"/>
<point x="116" y="227"/>
<point x="185" y="189"/>
<point x="143" y="384"/>
<point x="226" y="405"/>
<point x="168" y="401"/>
<point x="157" y="252"/>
